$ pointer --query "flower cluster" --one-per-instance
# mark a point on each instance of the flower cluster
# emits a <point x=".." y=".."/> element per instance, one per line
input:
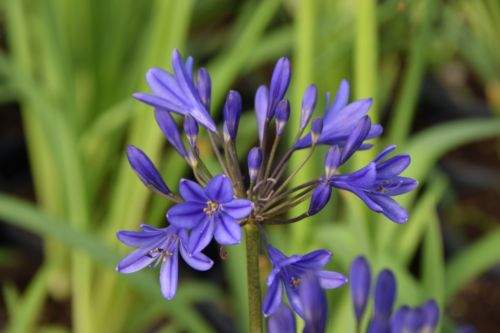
<point x="219" y="205"/>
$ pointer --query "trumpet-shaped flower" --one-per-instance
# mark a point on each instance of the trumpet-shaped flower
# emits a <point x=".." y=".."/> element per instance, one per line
<point x="288" y="272"/>
<point x="178" y="94"/>
<point x="160" y="245"/>
<point x="210" y="211"/>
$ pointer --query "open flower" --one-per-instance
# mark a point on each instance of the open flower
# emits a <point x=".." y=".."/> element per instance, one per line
<point x="209" y="211"/>
<point x="288" y="271"/>
<point x="160" y="245"/>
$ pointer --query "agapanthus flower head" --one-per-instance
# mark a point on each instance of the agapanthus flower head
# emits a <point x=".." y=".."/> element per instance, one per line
<point x="288" y="272"/>
<point x="146" y="171"/>
<point x="210" y="211"/>
<point x="170" y="130"/>
<point x="204" y="88"/>
<point x="282" y="115"/>
<point x="308" y="105"/>
<point x="316" y="129"/>
<point x="340" y="119"/>
<point x="398" y="319"/>
<point x="160" y="245"/>
<point x="414" y="321"/>
<point x="314" y="304"/>
<point x="232" y="113"/>
<point x="431" y="315"/>
<point x="279" y="85"/>
<point x="385" y="294"/>
<point x="254" y="162"/>
<point x="360" y="277"/>
<point x="332" y="161"/>
<point x="176" y="94"/>
<point x="261" y="105"/>
<point x="283" y="321"/>
<point x="191" y="130"/>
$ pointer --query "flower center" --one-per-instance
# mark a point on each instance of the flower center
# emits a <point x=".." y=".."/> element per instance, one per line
<point x="211" y="207"/>
<point x="295" y="283"/>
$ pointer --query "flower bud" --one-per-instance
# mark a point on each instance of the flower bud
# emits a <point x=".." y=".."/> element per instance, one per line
<point x="232" y="112"/>
<point x="282" y="115"/>
<point x="261" y="104"/>
<point x="204" y="88"/>
<point x="146" y="171"/>
<point x="320" y="198"/>
<point x="398" y="319"/>
<point x="308" y="105"/>
<point x="254" y="162"/>
<point x="170" y="130"/>
<point x="279" y="84"/>
<point x="225" y="133"/>
<point x="332" y="161"/>
<point x="360" y="278"/>
<point x="431" y="315"/>
<point x="414" y="321"/>
<point x="191" y="130"/>
<point x="316" y="129"/>
<point x="385" y="293"/>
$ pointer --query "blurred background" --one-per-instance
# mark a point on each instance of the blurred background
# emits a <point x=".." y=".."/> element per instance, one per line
<point x="67" y="72"/>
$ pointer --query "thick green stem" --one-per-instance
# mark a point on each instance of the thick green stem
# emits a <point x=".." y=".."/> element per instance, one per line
<point x="254" y="298"/>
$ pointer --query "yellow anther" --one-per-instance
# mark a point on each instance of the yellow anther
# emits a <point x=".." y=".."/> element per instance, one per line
<point x="295" y="283"/>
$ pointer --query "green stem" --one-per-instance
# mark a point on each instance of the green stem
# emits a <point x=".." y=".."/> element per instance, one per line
<point x="254" y="295"/>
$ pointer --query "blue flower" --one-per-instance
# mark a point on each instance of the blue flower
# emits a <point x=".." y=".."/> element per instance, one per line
<point x="209" y="211"/>
<point x="283" y="321"/>
<point x="288" y="271"/>
<point x="340" y="119"/>
<point x="160" y="245"/>
<point x="178" y="94"/>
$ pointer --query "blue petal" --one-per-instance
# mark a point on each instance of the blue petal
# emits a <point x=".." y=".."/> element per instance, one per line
<point x="201" y="236"/>
<point x="320" y="198"/>
<point x="198" y="261"/>
<point x="393" y="166"/>
<point x="169" y="128"/>
<point x="273" y="298"/>
<point x="238" y="208"/>
<point x="293" y="299"/>
<point x="283" y="321"/>
<point x="261" y="104"/>
<point x="135" y="260"/>
<point x="187" y="215"/>
<point x="227" y="230"/>
<point x="390" y="208"/>
<point x="362" y="195"/>
<point x="314" y="260"/>
<point x="384" y="153"/>
<point x="164" y="85"/>
<point x="139" y="238"/>
<point x="191" y="191"/>
<point x="169" y="274"/>
<point x="340" y="101"/>
<point x="329" y="279"/>
<point x="219" y="189"/>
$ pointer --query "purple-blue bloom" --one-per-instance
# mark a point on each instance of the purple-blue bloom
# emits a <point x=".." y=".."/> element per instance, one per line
<point x="176" y="94"/>
<point x="308" y="105"/>
<point x="283" y="321"/>
<point x="314" y="304"/>
<point x="254" y="162"/>
<point x="146" y="171"/>
<point x="282" y="115"/>
<point x="191" y="130"/>
<point x="340" y="119"/>
<point x="385" y="294"/>
<point x="161" y="245"/>
<point x="288" y="271"/>
<point x="169" y="128"/>
<point x="210" y="211"/>
<point x="360" y="277"/>
<point x="232" y="113"/>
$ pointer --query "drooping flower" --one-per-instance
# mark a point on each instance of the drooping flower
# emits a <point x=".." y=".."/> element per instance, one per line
<point x="314" y="304"/>
<point x="160" y="245"/>
<point x="360" y="277"/>
<point x="177" y="94"/>
<point x="210" y="211"/>
<point x="283" y="321"/>
<point x="288" y="271"/>
<point x="340" y="119"/>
